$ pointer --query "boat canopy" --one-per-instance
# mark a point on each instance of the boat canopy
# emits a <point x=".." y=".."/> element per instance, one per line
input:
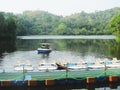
<point x="45" y="45"/>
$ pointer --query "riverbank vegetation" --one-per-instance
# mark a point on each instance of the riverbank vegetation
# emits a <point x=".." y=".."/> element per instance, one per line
<point x="115" y="26"/>
<point x="44" y="23"/>
<point x="7" y="32"/>
<point x="7" y="26"/>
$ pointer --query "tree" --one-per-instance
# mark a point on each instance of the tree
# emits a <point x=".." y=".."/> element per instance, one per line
<point x="2" y="25"/>
<point x="7" y="26"/>
<point x="11" y="28"/>
<point x="115" y="25"/>
<point x="61" y="29"/>
<point x="44" y="23"/>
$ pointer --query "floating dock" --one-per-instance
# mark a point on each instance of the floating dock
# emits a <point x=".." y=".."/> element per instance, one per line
<point x="60" y="78"/>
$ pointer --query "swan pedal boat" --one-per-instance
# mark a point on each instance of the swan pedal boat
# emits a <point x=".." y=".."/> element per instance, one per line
<point x="75" y="66"/>
<point x="47" y="66"/>
<point x="21" y="67"/>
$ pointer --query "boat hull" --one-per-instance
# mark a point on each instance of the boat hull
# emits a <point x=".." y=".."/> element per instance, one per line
<point x="44" y="51"/>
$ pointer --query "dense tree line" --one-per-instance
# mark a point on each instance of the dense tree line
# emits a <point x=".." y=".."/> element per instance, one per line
<point x="36" y="23"/>
<point x="115" y="27"/>
<point x="44" y="23"/>
<point x="7" y="32"/>
<point x="7" y="26"/>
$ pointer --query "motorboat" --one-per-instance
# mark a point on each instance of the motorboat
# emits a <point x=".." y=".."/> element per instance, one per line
<point x="44" y="48"/>
<point x="47" y="66"/>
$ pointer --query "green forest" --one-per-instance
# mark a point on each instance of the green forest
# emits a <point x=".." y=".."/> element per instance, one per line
<point x="45" y="23"/>
<point x="7" y="26"/>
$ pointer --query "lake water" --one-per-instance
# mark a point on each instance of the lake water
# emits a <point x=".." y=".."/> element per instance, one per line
<point x="64" y="49"/>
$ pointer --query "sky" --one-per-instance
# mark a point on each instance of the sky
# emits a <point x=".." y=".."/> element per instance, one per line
<point x="58" y="7"/>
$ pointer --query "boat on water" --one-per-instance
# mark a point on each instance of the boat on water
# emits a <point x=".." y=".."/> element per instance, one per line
<point x="97" y="65"/>
<point x="105" y="64"/>
<point x="114" y="63"/>
<point x="20" y="66"/>
<point x="44" y="48"/>
<point x="61" y="66"/>
<point x="47" y="66"/>
<point x="71" y="66"/>
<point x="75" y="66"/>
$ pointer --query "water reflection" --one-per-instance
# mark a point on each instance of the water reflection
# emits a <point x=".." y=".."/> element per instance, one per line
<point x="7" y="46"/>
<point x="115" y="50"/>
<point x="97" y="48"/>
<point x="72" y="49"/>
<point x="62" y="50"/>
<point x="45" y="55"/>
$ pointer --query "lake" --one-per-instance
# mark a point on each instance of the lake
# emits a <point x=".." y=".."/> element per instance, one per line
<point x="64" y="49"/>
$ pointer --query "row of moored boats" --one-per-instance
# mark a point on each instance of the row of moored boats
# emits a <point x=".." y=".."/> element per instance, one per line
<point x="98" y="64"/>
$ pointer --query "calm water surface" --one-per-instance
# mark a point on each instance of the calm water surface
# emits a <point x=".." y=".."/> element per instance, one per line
<point x="68" y="49"/>
<point x="71" y="49"/>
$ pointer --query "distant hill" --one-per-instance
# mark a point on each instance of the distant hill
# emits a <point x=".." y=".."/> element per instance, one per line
<point x="45" y="23"/>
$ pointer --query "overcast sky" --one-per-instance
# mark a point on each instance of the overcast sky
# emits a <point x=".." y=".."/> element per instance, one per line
<point x="57" y="7"/>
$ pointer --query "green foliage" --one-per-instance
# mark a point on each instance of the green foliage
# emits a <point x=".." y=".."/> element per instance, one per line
<point x="11" y="28"/>
<point x="44" y="23"/>
<point x="2" y="25"/>
<point x="61" y="29"/>
<point x="36" y="23"/>
<point x="115" y="27"/>
<point x="7" y="26"/>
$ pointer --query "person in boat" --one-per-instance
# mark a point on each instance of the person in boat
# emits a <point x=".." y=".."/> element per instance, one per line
<point x="45" y="46"/>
